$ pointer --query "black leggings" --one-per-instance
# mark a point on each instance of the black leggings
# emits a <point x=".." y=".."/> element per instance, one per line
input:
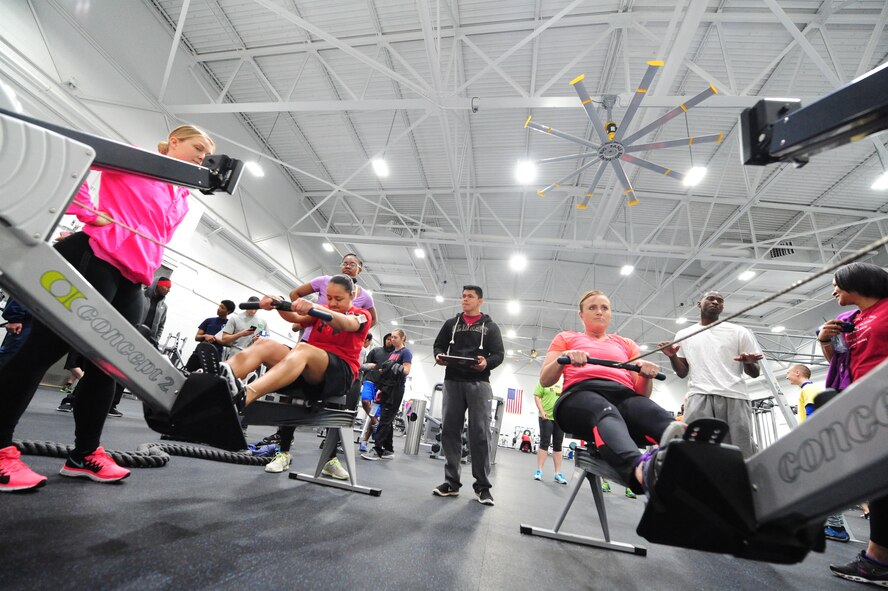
<point x="879" y="521"/>
<point x="549" y="430"/>
<point x="21" y="376"/>
<point x="615" y="419"/>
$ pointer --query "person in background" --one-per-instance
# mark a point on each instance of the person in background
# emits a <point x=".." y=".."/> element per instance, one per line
<point x="864" y="286"/>
<point x="374" y="359"/>
<point x="467" y="389"/>
<point x="75" y="374"/>
<point x="800" y="375"/>
<point x="393" y="379"/>
<point x="151" y="326"/>
<point x="715" y="362"/>
<point x="18" y="327"/>
<point x="549" y="432"/>
<point x="241" y="330"/>
<point x="207" y="330"/>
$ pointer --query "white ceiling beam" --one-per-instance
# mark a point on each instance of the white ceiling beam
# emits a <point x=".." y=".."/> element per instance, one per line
<point x="688" y="254"/>
<point x="866" y="58"/>
<point x="803" y="42"/>
<point x="562" y="73"/>
<point x="622" y="19"/>
<point x="345" y="47"/>
<point x="486" y="103"/>
<point x="495" y="67"/>
<point x="538" y="30"/>
<point x="174" y="47"/>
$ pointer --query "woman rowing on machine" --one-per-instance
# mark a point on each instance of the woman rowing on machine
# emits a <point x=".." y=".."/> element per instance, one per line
<point x="609" y="406"/>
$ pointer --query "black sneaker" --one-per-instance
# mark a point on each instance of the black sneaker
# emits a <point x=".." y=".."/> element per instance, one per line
<point x="862" y="570"/>
<point x="66" y="405"/>
<point x="115" y="413"/>
<point x="372" y="455"/>
<point x="445" y="490"/>
<point x="273" y="439"/>
<point x="386" y="454"/>
<point x="484" y="497"/>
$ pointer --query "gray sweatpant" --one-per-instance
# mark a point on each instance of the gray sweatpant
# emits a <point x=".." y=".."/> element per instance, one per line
<point x="458" y="397"/>
<point x="734" y="411"/>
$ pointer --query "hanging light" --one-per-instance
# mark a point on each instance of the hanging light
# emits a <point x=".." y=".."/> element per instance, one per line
<point x="525" y="172"/>
<point x="694" y="176"/>
<point x="380" y="167"/>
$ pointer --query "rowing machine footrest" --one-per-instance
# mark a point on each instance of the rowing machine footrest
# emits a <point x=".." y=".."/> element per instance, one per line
<point x="202" y="412"/>
<point x="293" y="407"/>
<point x="703" y="501"/>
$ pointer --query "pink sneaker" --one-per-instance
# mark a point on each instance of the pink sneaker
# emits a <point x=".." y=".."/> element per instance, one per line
<point x="15" y="474"/>
<point x="96" y="466"/>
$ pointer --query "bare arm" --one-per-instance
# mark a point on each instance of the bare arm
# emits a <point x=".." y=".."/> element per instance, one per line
<point x="301" y="291"/>
<point x="202" y="336"/>
<point x="551" y="371"/>
<point x="679" y="364"/>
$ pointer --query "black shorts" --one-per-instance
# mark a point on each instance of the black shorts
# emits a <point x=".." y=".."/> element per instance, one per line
<point x="337" y="379"/>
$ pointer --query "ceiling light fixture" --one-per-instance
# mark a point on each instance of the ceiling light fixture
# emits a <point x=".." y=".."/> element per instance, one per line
<point x="394" y="323"/>
<point x="380" y="167"/>
<point x="681" y="320"/>
<point x="328" y="247"/>
<point x="778" y="329"/>
<point x="518" y="262"/>
<point x="626" y="270"/>
<point x="419" y="253"/>
<point x="746" y="275"/>
<point x="513" y="306"/>
<point x="643" y="347"/>
<point x="510" y="352"/>
<point x="439" y="298"/>
<point x="511" y="333"/>
<point x="525" y="172"/>
<point x="881" y="182"/>
<point x="694" y="176"/>
<point x="254" y="168"/>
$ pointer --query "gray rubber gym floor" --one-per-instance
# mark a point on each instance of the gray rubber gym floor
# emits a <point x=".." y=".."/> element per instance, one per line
<point x="197" y="524"/>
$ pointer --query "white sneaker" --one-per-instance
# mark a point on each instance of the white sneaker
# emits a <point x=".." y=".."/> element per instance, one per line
<point x="280" y="463"/>
<point x="334" y="469"/>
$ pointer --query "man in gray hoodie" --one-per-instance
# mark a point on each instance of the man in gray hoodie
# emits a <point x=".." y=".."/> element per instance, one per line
<point x="470" y="334"/>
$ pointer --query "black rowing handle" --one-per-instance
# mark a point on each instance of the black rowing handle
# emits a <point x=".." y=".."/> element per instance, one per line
<point x="285" y="306"/>
<point x="564" y="360"/>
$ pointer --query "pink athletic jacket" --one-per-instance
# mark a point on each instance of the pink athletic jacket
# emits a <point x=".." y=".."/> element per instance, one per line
<point x="154" y="208"/>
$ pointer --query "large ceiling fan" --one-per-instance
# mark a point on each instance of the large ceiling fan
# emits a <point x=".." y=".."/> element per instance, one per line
<point x="616" y="148"/>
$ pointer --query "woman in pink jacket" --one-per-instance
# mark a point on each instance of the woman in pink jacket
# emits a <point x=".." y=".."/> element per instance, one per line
<point x="117" y="263"/>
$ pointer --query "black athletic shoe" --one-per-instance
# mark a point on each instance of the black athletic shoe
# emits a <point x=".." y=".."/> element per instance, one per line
<point x="862" y="570"/>
<point x="66" y="405"/>
<point x="115" y="413"/>
<point x="386" y="454"/>
<point x="484" y="497"/>
<point x="445" y="490"/>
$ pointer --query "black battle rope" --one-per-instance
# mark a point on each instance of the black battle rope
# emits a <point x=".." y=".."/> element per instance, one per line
<point x="147" y="455"/>
<point x="848" y="259"/>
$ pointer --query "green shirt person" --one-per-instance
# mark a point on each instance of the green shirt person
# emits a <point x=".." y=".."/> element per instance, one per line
<point x="545" y="399"/>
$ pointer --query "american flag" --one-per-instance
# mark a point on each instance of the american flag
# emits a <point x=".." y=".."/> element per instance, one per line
<point x="513" y="400"/>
